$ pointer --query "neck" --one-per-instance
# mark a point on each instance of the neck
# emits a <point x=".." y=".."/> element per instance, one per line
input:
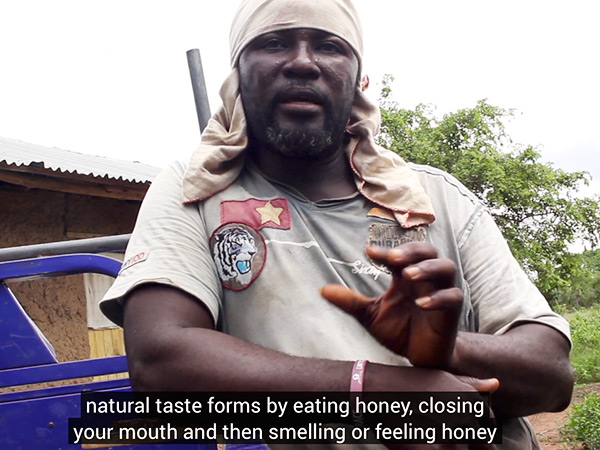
<point x="317" y="179"/>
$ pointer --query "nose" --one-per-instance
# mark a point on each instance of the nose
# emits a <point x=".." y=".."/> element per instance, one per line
<point x="302" y="62"/>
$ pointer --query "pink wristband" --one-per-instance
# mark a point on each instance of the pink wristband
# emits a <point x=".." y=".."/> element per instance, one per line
<point x="358" y="375"/>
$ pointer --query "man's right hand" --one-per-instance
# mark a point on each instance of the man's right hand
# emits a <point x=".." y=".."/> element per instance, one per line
<point x="432" y="380"/>
<point x="416" y="379"/>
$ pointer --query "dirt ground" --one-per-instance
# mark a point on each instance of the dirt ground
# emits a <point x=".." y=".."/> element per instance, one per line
<point x="548" y="425"/>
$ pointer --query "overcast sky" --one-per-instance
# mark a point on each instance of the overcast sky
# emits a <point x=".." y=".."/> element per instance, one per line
<point x="110" y="77"/>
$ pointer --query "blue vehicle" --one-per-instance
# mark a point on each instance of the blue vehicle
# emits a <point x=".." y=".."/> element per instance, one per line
<point x="33" y="417"/>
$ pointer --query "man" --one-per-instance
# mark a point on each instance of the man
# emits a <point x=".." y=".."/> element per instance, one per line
<point x="221" y="285"/>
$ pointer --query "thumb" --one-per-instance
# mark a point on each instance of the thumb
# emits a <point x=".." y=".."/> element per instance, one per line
<point x="346" y="299"/>
<point x="486" y="385"/>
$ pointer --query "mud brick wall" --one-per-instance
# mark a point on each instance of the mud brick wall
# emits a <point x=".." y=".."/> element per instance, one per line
<point x="57" y="305"/>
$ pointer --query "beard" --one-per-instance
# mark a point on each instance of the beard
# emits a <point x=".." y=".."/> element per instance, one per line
<point x="299" y="141"/>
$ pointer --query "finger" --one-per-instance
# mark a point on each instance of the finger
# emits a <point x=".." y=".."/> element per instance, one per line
<point x="402" y="256"/>
<point x="439" y="271"/>
<point x="442" y="300"/>
<point x="346" y="299"/>
<point x="485" y="385"/>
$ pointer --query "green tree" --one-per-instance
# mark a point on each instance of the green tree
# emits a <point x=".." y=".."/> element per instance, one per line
<point x="536" y="205"/>
<point x="584" y="290"/>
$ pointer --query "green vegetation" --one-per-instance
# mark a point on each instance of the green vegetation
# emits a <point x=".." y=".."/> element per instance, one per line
<point x="583" y="423"/>
<point x="584" y="289"/>
<point x="585" y="355"/>
<point x="537" y="206"/>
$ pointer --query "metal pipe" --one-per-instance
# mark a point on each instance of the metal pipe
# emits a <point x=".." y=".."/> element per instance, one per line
<point x="199" y="87"/>
<point x="91" y="245"/>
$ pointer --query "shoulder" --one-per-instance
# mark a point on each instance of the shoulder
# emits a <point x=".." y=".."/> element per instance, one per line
<point x="436" y="181"/>
<point x="167" y="188"/>
<point x="173" y="173"/>
<point x="453" y="203"/>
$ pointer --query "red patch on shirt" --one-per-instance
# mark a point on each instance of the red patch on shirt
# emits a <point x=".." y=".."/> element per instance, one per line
<point x="274" y="213"/>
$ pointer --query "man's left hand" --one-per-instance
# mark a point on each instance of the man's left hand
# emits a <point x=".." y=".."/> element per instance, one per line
<point x="418" y="315"/>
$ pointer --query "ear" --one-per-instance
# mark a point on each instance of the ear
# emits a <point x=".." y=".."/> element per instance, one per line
<point x="364" y="83"/>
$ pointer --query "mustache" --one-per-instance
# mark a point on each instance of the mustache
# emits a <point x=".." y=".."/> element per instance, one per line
<point x="299" y="93"/>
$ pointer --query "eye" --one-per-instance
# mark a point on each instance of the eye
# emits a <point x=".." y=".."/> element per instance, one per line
<point x="332" y="47"/>
<point x="273" y="44"/>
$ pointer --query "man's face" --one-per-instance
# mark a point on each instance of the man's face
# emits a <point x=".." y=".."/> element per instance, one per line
<point x="297" y="87"/>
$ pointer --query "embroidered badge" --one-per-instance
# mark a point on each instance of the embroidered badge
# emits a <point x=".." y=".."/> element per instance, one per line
<point x="391" y="236"/>
<point x="239" y="252"/>
<point x="137" y="258"/>
<point x="274" y="213"/>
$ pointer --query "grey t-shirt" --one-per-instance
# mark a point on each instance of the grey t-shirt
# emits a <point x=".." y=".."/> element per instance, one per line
<point x="257" y="253"/>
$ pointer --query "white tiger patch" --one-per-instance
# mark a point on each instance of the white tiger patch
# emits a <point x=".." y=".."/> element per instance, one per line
<point x="234" y="248"/>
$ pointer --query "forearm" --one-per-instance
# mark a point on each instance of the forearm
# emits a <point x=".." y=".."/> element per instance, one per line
<point x="531" y="362"/>
<point x="225" y="363"/>
<point x="196" y="359"/>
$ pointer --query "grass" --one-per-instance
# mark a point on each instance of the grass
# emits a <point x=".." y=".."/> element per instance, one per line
<point x="585" y="355"/>
<point x="583" y="423"/>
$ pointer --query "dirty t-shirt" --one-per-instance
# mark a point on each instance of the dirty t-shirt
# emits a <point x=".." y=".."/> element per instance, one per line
<point x="257" y="253"/>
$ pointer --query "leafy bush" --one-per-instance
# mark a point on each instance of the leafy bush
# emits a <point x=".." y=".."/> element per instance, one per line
<point x="583" y="424"/>
<point x="585" y="356"/>
<point x="584" y="289"/>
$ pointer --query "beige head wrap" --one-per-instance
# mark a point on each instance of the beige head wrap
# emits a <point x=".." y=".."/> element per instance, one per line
<point x="380" y="175"/>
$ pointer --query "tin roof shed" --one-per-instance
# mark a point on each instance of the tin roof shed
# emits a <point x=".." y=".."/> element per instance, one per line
<point x="34" y="166"/>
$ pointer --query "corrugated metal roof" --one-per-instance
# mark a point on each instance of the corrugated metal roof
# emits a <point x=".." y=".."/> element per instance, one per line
<point x="56" y="159"/>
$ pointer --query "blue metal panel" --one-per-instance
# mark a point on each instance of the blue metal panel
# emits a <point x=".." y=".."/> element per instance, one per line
<point x="59" y="265"/>
<point x="63" y="371"/>
<point x="248" y="447"/>
<point x="21" y="341"/>
<point x="43" y="424"/>
<point x="55" y="391"/>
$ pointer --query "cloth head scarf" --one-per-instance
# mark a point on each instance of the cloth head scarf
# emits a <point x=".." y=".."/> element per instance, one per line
<point x="380" y="175"/>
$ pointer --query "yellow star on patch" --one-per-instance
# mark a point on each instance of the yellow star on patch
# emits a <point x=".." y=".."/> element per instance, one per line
<point x="268" y="212"/>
